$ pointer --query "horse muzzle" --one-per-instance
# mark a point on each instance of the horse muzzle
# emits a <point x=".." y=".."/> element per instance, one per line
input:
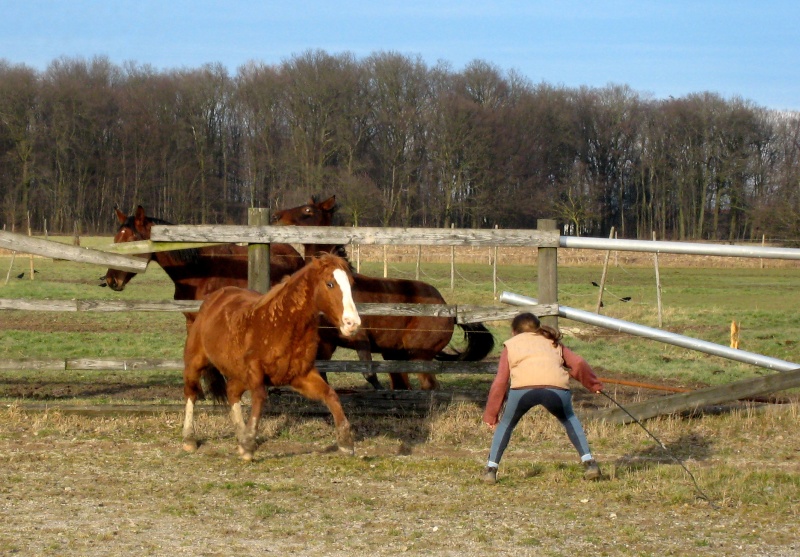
<point x="114" y="284"/>
<point x="350" y="325"/>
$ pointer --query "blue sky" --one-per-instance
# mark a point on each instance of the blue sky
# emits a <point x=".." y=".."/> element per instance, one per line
<point x="733" y="48"/>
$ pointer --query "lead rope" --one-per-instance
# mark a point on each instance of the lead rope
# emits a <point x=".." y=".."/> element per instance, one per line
<point x="700" y="492"/>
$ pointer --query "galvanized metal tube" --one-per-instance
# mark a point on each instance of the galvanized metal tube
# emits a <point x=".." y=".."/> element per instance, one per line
<point x="678" y="247"/>
<point x="657" y="334"/>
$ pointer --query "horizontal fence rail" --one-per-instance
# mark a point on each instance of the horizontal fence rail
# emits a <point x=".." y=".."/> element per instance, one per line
<point x="328" y="366"/>
<point x="462" y="313"/>
<point x="360" y="235"/>
<point x="659" y="335"/>
<point x="57" y="250"/>
<point x="684" y="248"/>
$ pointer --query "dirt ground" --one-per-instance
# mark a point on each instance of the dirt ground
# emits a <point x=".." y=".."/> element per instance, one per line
<point x="101" y="485"/>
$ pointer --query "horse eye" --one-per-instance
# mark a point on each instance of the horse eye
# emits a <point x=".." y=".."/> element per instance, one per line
<point x="330" y="285"/>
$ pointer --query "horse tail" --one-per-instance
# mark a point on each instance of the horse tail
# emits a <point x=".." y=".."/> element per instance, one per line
<point x="214" y="384"/>
<point x="480" y="343"/>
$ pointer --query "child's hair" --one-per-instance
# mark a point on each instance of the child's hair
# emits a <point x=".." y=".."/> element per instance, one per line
<point x="529" y="323"/>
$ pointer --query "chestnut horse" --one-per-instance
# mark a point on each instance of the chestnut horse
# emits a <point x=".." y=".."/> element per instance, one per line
<point x="394" y="337"/>
<point x="242" y="340"/>
<point x="198" y="272"/>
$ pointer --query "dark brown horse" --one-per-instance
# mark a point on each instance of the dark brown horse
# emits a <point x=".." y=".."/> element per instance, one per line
<point x="245" y="341"/>
<point x="198" y="272"/>
<point x="394" y="337"/>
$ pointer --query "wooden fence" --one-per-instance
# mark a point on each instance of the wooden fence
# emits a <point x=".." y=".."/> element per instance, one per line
<point x="545" y="239"/>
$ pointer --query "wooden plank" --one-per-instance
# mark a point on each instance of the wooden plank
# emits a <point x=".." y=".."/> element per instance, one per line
<point x="29" y="304"/>
<point x="280" y="401"/>
<point x="413" y="310"/>
<point x="705" y="397"/>
<point x="360" y="235"/>
<point x="477" y="314"/>
<point x="32" y="364"/>
<point x="412" y="366"/>
<point x="146" y="246"/>
<point x="89" y="364"/>
<point x="463" y="314"/>
<point x="338" y="366"/>
<point x="38" y="305"/>
<point x="57" y="250"/>
<point x="100" y="306"/>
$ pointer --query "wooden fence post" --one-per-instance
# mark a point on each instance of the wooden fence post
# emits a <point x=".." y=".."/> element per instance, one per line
<point x="452" y="263"/>
<point x="548" y="273"/>
<point x="258" y="271"/>
<point x="658" y="285"/>
<point x="603" y="276"/>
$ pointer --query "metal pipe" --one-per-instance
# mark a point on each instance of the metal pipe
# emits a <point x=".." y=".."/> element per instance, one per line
<point x="678" y="247"/>
<point x="657" y="334"/>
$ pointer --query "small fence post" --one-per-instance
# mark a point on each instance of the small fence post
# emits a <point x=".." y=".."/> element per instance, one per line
<point x="603" y="276"/>
<point x="658" y="284"/>
<point x="547" y="260"/>
<point x="452" y="263"/>
<point x="258" y="271"/>
<point x="494" y="272"/>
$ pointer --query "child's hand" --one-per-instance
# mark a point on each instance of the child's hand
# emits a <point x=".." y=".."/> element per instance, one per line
<point x="491" y="426"/>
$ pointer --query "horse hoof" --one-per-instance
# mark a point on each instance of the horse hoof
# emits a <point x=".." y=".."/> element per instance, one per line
<point x="190" y="446"/>
<point x="247" y="457"/>
<point x="349" y="451"/>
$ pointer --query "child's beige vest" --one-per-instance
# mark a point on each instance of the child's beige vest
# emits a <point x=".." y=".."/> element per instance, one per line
<point x="535" y="362"/>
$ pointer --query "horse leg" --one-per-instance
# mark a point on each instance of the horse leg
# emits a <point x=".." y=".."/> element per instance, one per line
<point x="428" y="381"/>
<point x="247" y="442"/>
<point x="312" y="386"/>
<point x="192" y="390"/>
<point x="365" y="355"/>
<point x="325" y="352"/>
<point x="245" y="433"/>
<point x="399" y="382"/>
<point x="189" y="436"/>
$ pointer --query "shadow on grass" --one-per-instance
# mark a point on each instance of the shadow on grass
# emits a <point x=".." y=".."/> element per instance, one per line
<point x="688" y="446"/>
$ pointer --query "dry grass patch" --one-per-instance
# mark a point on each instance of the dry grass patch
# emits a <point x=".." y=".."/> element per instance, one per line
<point x="121" y="485"/>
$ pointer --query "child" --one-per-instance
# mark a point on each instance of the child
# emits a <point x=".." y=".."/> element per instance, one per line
<point x="533" y="361"/>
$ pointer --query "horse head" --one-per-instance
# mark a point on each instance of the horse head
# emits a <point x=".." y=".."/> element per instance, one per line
<point x="131" y="229"/>
<point x="313" y="213"/>
<point x="333" y="294"/>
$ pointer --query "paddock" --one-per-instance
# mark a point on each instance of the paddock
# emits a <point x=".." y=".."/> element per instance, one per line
<point x="95" y="482"/>
<point x="545" y="241"/>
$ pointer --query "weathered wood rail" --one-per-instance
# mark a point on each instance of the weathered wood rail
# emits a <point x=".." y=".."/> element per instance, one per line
<point x="360" y="235"/>
<point x="462" y="313"/>
<point x="37" y="246"/>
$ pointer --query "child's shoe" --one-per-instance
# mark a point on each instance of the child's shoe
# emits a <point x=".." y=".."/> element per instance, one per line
<point x="592" y="470"/>
<point x="489" y="475"/>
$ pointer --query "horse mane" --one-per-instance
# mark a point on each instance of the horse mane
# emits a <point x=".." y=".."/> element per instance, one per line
<point x="189" y="255"/>
<point x="271" y="293"/>
<point x="325" y="260"/>
<point x="338" y="251"/>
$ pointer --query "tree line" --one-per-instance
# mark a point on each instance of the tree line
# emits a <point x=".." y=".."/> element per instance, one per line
<point x="399" y="142"/>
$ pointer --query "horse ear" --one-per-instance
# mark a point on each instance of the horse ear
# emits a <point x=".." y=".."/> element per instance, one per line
<point x="139" y="217"/>
<point x="329" y="204"/>
<point x="121" y="217"/>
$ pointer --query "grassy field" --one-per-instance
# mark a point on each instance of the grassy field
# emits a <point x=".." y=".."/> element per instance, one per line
<point x="101" y="485"/>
